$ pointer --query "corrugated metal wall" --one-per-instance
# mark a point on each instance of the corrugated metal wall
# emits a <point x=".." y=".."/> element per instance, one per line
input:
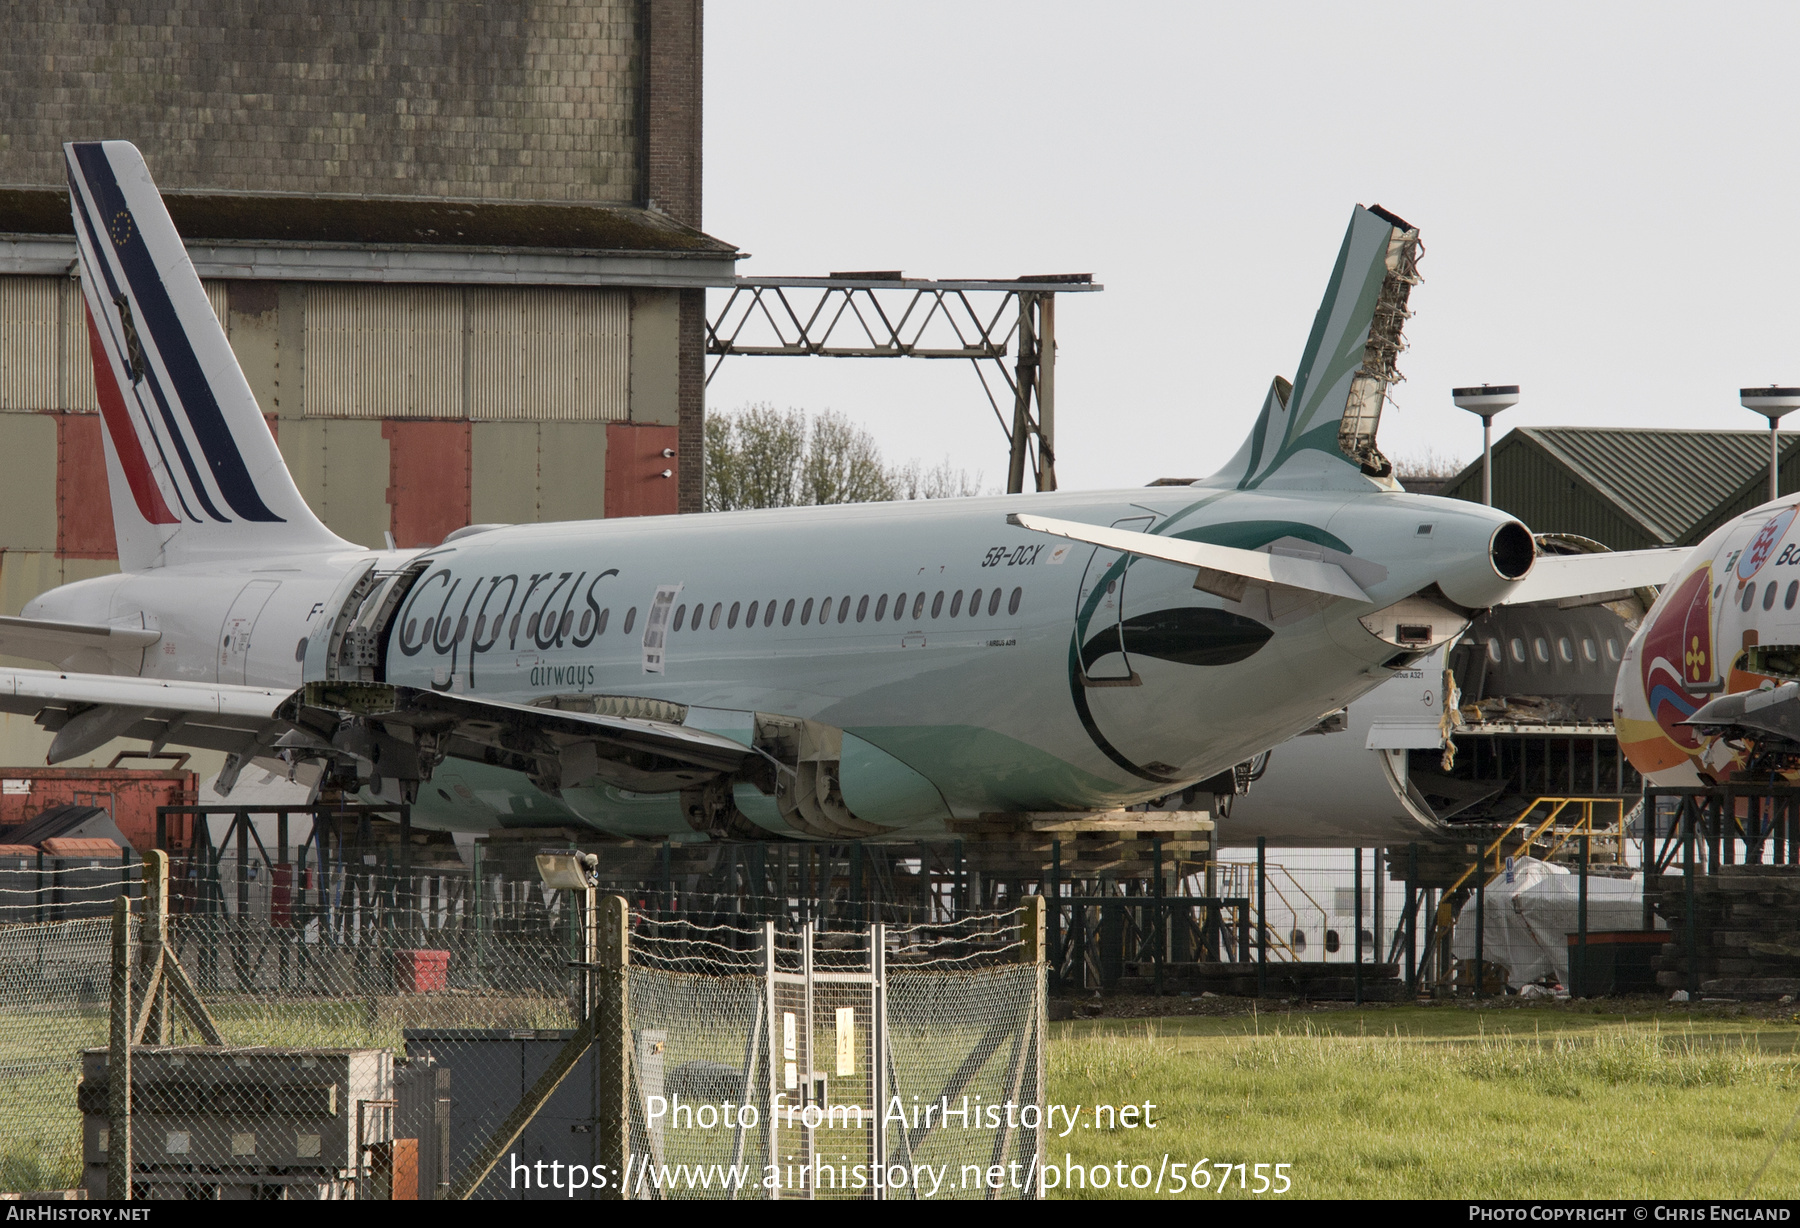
<point x="28" y="366"/>
<point x="384" y="352"/>
<point x="45" y="362"/>
<point x="537" y="354"/>
<point x="548" y="355"/>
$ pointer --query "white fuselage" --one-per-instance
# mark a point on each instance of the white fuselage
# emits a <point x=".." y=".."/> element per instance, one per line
<point x="989" y="707"/>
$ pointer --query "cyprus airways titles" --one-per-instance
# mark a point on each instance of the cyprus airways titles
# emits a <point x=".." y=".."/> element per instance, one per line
<point x="816" y="673"/>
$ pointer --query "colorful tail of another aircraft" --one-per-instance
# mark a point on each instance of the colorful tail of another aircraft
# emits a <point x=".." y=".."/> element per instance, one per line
<point x="192" y="467"/>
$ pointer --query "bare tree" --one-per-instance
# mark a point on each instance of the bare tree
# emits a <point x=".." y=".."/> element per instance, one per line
<point x="760" y="456"/>
<point x="843" y="464"/>
<point x="941" y="481"/>
<point x="754" y="458"/>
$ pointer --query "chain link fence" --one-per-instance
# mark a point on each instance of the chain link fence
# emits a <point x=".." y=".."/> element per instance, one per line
<point x="374" y="1046"/>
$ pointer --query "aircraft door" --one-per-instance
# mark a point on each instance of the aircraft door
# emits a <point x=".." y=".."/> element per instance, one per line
<point x="1104" y="661"/>
<point x="240" y="624"/>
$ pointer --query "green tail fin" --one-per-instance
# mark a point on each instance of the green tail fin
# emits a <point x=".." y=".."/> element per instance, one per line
<point x="1323" y="434"/>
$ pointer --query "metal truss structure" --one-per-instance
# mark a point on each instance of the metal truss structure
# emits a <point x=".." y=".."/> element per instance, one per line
<point x="884" y="315"/>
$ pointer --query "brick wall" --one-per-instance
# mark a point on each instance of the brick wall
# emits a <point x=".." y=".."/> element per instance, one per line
<point x="428" y="97"/>
<point x="673" y="107"/>
<point x="672" y="165"/>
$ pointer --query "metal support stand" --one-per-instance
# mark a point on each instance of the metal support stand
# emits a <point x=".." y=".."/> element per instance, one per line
<point x="1262" y="918"/>
<point x="1579" y="989"/>
<point x="1359" y="926"/>
<point x="1693" y="940"/>
<point x="885" y="315"/>
<point x="1412" y="920"/>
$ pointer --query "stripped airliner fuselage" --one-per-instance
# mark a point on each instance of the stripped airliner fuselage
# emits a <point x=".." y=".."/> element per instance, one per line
<point x="824" y="673"/>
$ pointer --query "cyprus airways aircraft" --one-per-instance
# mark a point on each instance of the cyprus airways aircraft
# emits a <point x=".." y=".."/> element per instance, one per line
<point x="812" y="673"/>
<point x="1709" y="689"/>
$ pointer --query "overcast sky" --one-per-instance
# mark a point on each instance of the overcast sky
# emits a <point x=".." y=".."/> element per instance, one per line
<point x="1606" y="195"/>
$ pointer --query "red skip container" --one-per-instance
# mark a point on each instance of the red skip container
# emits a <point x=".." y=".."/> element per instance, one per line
<point x="421" y="971"/>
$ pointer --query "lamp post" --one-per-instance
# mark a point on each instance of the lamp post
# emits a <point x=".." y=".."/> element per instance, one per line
<point x="1487" y="400"/>
<point x="1771" y="402"/>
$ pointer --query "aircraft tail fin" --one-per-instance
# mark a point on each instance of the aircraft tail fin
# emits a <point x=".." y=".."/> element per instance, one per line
<point x="1322" y="429"/>
<point x="192" y="467"/>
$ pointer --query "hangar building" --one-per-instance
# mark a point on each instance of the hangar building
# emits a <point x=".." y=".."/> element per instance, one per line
<point x="1631" y="488"/>
<point x="456" y="248"/>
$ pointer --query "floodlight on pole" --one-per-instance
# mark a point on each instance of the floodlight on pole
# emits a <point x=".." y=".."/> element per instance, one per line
<point x="1487" y="400"/>
<point x="1771" y="402"/>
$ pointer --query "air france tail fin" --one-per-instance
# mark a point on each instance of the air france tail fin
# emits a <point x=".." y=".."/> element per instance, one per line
<point x="1320" y="432"/>
<point x="193" y="470"/>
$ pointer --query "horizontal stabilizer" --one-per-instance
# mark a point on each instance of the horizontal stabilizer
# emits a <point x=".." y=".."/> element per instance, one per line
<point x="1217" y="565"/>
<point x="1556" y="577"/>
<point x="37" y="639"/>
<point x="1772" y="712"/>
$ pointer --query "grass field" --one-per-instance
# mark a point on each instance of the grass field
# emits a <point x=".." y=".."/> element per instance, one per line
<point x="1569" y="1101"/>
<point x="1443" y="1102"/>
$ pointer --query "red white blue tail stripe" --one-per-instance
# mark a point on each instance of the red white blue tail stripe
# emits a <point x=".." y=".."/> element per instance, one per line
<point x="186" y="436"/>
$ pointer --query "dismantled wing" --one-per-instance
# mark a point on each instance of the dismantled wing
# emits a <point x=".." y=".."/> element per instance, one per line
<point x="1563" y="577"/>
<point x="391" y="736"/>
<point x="406" y="731"/>
<point x="1224" y="570"/>
<point x="37" y="639"/>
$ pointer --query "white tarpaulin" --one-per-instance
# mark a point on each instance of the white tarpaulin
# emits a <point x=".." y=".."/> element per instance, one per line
<point x="1526" y="922"/>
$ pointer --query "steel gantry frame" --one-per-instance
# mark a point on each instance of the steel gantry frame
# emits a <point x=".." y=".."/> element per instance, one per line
<point x="885" y="315"/>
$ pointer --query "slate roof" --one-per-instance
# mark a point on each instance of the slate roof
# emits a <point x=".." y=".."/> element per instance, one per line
<point x="397" y="220"/>
<point x="1673" y="486"/>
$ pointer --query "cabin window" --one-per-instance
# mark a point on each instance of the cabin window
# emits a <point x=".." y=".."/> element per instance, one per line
<point x="481" y="624"/>
<point x="844" y="609"/>
<point x="1518" y="650"/>
<point x="731" y="618"/>
<point x="568" y="620"/>
<point x="680" y="615"/>
<point x="918" y="610"/>
<point x="787" y="612"/>
<point x="1494" y="650"/>
<point x="937" y="604"/>
<point x="1541" y="647"/>
<point x="1565" y="649"/>
<point x="1588" y="648"/>
<point x="1012" y="604"/>
<point x="769" y="613"/>
<point x="974" y="603"/>
<point x="899" y="607"/>
<point x="718" y="612"/>
<point x="1793" y="591"/>
<point x="1297" y="940"/>
<point x="601" y="628"/>
<point x="1749" y="598"/>
<point x="531" y="626"/>
<point x="994" y="603"/>
<point x="750" y="614"/>
<point x="515" y="625"/>
<point x="956" y="603"/>
<point x="825" y="611"/>
<point x="1333" y="943"/>
<point x="862" y="608"/>
<point x="412" y="625"/>
<point x="630" y="617"/>
<point x="880" y="607"/>
<point x="587" y="624"/>
<point x="1769" y="596"/>
<point x="1612" y="649"/>
<point x="806" y="612"/>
